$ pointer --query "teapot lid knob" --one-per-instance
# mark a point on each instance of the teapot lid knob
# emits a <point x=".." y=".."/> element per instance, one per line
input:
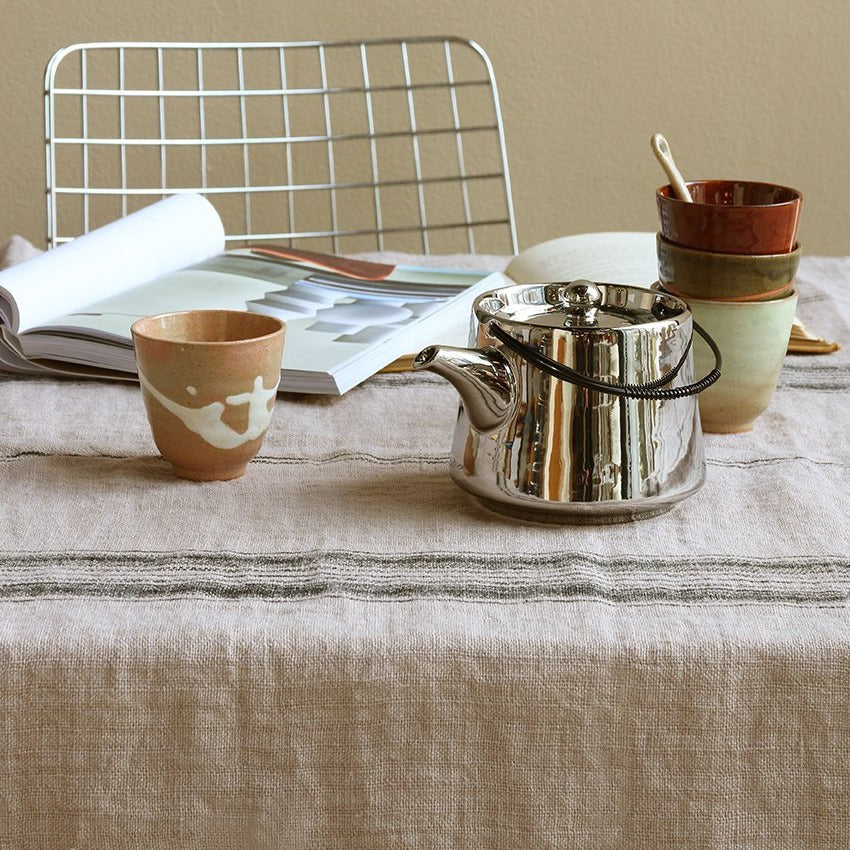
<point x="582" y="298"/>
<point x="582" y="294"/>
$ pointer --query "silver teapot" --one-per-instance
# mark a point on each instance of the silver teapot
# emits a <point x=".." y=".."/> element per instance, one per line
<point x="578" y="402"/>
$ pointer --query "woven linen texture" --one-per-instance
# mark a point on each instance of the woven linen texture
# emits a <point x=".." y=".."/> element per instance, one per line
<point x="343" y="649"/>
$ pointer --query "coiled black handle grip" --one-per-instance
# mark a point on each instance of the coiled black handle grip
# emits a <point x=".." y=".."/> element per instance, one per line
<point x="650" y="390"/>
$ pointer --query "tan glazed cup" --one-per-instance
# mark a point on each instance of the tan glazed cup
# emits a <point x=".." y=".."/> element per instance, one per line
<point x="209" y="380"/>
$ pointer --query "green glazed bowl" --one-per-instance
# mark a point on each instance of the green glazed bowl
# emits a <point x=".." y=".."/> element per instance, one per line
<point x="725" y="277"/>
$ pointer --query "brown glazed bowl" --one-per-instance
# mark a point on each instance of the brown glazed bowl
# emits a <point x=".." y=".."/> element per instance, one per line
<point x="686" y="272"/>
<point x="731" y="216"/>
<point x="209" y="380"/>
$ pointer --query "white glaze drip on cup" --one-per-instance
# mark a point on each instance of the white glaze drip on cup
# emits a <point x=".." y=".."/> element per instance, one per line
<point x="206" y="421"/>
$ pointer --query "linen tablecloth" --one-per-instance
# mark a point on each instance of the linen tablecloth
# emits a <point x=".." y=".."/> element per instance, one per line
<point x="344" y="650"/>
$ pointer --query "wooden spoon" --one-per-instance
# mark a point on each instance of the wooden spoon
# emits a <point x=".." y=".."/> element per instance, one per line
<point x="662" y="153"/>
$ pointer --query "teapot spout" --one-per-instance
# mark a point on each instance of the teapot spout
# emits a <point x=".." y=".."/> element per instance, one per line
<point x="483" y="378"/>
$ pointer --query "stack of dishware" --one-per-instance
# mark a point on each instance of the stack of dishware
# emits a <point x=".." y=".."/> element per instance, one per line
<point x="729" y="249"/>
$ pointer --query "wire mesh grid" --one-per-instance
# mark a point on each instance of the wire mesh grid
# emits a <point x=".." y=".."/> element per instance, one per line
<point x="345" y="146"/>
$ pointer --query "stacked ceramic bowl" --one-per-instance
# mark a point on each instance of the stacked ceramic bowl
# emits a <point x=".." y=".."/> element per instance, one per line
<point x="731" y="253"/>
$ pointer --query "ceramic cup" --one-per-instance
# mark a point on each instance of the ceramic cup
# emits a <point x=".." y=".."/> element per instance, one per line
<point x="731" y="216"/>
<point x="209" y="380"/>
<point x="753" y="339"/>
<point x="691" y="273"/>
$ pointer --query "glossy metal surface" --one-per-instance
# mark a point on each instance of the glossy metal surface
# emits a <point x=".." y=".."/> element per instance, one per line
<point x="484" y="379"/>
<point x="567" y="454"/>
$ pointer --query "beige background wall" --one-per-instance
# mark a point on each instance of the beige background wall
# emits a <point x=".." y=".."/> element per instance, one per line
<point x="757" y="90"/>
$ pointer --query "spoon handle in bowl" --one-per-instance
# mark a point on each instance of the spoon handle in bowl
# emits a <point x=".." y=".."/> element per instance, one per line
<point x="662" y="153"/>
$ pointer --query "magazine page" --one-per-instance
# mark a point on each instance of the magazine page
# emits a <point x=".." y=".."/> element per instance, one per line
<point x="333" y="322"/>
<point x="167" y="235"/>
<point x="616" y="257"/>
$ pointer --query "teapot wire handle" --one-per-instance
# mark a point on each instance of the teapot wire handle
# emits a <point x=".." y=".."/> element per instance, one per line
<point x="649" y="390"/>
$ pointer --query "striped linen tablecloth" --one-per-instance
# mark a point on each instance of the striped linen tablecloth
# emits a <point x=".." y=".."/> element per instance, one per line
<point x="343" y="650"/>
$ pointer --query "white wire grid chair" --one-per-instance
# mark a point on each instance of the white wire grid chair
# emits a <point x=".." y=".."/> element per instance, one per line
<point x="344" y="146"/>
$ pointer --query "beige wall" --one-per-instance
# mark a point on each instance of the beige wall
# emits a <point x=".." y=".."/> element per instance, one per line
<point x="756" y="89"/>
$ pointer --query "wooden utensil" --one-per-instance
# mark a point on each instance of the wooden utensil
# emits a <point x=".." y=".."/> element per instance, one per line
<point x="662" y="153"/>
<point x="803" y="341"/>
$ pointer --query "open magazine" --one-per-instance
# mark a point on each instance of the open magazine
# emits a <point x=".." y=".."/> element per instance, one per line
<point x="69" y="310"/>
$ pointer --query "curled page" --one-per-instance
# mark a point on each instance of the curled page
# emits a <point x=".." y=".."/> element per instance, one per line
<point x="162" y="238"/>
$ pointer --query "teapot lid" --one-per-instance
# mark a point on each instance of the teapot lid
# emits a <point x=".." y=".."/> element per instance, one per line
<point x="581" y="305"/>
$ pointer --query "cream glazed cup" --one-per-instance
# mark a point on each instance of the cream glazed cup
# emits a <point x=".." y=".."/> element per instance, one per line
<point x="753" y="339"/>
<point x="209" y="380"/>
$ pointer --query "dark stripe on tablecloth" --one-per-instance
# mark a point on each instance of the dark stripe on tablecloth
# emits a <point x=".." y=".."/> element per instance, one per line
<point x="438" y="459"/>
<point x="298" y="459"/>
<point x="510" y="577"/>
